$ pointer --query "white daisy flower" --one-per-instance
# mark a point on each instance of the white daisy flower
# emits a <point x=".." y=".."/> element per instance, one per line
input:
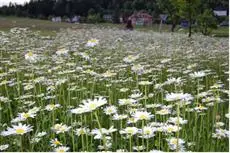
<point x="77" y="110"/>
<point x="60" y="128"/>
<point x="147" y="132"/>
<point x="109" y="110"/>
<point x="138" y="69"/>
<point x="145" y="83"/>
<point x="119" y="116"/>
<point x="173" y="80"/>
<point x="171" y="128"/>
<point x="41" y="134"/>
<point x="4" y="147"/>
<point x="142" y="115"/>
<point x="19" y="129"/>
<point x="90" y="105"/>
<point x="51" y="107"/>
<point x="130" y="58"/>
<point x="173" y="143"/>
<point x="135" y="95"/>
<point x="199" y="74"/>
<point x="178" y="97"/>
<point x="61" y="149"/>
<point x="55" y="142"/>
<point x="31" y="57"/>
<point x="174" y="120"/>
<point x="92" y="42"/>
<point x="62" y="51"/>
<point x="23" y="116"/>
<point x="82" y="131"/>
<point x="128" y="101"/>
<point x="129" y="131"/>
<point x="139" y="148"/>
<point x="164" y="111"/>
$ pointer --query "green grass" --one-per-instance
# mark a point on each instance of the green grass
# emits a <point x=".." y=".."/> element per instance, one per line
<point x="46" y="27"/>
<point x="49" y="28"/>
<point x="221" y="32"/>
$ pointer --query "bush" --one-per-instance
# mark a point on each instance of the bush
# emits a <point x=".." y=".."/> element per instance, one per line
<point x="206" y="22"/>
<point x="94" y="18"/>
<point x="50" y="17"/>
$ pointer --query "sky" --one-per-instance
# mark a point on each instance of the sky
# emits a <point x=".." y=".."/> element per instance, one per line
<point x="6" y="2"/>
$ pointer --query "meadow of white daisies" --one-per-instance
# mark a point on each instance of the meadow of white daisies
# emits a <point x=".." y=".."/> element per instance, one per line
<point x="103" y="89"/>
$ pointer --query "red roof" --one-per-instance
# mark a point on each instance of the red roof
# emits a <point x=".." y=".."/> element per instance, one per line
<point x="140" y="15"/>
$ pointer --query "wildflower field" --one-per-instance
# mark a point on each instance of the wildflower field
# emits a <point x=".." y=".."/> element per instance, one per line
<point x="102" y="89"/>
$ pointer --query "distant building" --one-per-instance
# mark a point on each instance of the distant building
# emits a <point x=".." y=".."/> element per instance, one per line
<point x="141" y="18"/>
<point x="108" y="17"/>
<point x="220" y="11"/>
<point x="56" y="19"/>
<point x="75" y="19"/>
<point x="184" y="23"/>
<point x="121" y="20"/>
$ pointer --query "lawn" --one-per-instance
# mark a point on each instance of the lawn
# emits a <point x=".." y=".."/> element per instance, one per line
<point x="50" y="28"/>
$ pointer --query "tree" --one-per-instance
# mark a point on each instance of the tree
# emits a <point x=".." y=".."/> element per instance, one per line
<point x="172" y="8"/>
<point x="206" y="22"/>
<point x="189" y="10"/>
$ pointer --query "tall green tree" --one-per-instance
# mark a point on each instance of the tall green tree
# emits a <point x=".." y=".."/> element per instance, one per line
<point x="189" y="11"/>
<point x="172" y="9"/>
<point x="206" y="22"/>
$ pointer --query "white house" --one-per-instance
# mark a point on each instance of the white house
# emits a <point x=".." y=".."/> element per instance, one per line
<point x="75" y="19"/>
<point x="56" y="19"/>
<point x="220" y="12"/>
<point x="108" y="17"/>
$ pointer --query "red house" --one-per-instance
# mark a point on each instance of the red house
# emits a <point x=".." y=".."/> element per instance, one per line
<point x="141" y="18"/>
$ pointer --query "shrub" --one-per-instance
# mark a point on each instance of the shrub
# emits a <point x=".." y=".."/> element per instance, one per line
<point x="94" y="18"/>
<point x="206" y="22"/>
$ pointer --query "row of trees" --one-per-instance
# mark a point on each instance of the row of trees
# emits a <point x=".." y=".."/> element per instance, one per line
<point x="191" y="10"/>
<point x="195" y="11"/>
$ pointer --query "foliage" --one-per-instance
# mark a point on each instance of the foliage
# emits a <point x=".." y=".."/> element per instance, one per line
<point x="188" y="10"/>
<point x="172" y="8"/>
<point x="94" y="18"/>
<point x="206" y="22"/>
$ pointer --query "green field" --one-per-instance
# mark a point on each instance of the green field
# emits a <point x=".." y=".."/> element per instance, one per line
<point x="49" y="28"/>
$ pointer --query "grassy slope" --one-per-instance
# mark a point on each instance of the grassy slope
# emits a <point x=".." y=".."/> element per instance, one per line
<point x="50" y="28"/>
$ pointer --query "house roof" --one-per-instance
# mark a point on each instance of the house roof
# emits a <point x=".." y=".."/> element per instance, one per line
<point x="220" y="8"/>
<point x="140" y="15"/>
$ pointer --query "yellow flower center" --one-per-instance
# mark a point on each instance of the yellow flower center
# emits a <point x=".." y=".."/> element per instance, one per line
<point x="20" y="131"/>
<point x="61" y="150"/>
<point x="130" y="131"/>
<point x="164" y="111"/>
<point x="201" y="107"/>
<point x="56" y="142"/>
<point x="174" y="141"/>
<point x="143" y="117"/>
<point x="52" y="106"/>
<point x="147" y="132"/>
<point x="62" y="129"/>
<point x="170" y="129"/>
<point x="81" y="132"/>
<point x="92" y="106"/>
<point x="26" y="115"/>
<point x="30" y="54"/>
<point x="93" y="40"/>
